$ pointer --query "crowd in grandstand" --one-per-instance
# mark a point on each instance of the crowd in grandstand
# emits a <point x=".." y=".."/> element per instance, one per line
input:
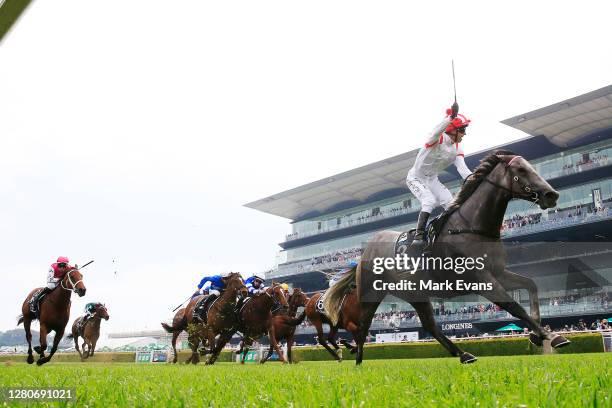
<point x="586" y="164"/>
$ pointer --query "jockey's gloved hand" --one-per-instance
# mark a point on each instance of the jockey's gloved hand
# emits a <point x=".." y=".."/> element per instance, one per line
<point x="454" y="110"/>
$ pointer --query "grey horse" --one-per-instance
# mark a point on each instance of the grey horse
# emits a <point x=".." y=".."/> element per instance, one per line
<point x="470" y="231"/>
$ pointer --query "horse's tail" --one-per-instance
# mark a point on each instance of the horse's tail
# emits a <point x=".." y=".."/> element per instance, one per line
<point x="19" y="319"/>
<point x="296" y="321"/>
<point x="333" y="296"/>
<point x="168" y="328"/>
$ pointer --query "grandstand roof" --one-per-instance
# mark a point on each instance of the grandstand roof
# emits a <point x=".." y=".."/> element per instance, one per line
<point x="565" y="122"/>
<point x="354" y="186"/>
<point x="561" y="124"/>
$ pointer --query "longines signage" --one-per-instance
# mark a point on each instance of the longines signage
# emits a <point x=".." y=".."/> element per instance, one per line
<point x="457" y="326"/>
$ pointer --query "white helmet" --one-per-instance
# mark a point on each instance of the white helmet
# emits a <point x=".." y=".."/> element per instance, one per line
<point x="225" y="274"/>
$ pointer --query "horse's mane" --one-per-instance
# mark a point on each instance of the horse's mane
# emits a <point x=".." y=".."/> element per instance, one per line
<point x="471" y="183"/>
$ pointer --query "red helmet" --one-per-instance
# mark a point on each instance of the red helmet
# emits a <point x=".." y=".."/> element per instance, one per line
<point x="459" y="122"/>
<point x="63" y="259"/>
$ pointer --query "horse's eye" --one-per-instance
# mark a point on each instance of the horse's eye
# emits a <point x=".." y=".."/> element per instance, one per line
<point x="522" y="171"/>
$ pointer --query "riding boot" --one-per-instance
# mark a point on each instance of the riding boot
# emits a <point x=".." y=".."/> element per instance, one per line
<point x="34" y="303"/>
<point x="239" y="303"/>
<point x="82" y="324"/>
<point x="418" y="242"/>
<point x="202" y="311"/>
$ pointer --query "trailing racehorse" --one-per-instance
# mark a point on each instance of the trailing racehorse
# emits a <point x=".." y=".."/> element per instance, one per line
<point x="352" y="317"/>
<point x="471" y="226"/>
<point x="90" y="331"/>
<point x="54" y="312"/>
<point x="285" y="324"/>
<point x="256" y="318"/>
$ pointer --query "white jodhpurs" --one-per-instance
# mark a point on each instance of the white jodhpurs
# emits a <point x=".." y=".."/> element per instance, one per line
<point x="429" y="191"/>
<point x="52" y="282"/>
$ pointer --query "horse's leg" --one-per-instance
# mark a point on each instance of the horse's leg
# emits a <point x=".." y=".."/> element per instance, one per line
<point x="93" y="347"/>
<point x="267" y="356"/>
<point x="196" y="343"/>
<point x="174" y="338"/>
<point x="240" y="347"/>
<point x="43" y="343"/>
<point x="88" y="342"/>
<point x="26" y="325"/>
<point x="85" y="347"/>
<point x="319" y="326"/>
<point x="245" y="349"/>
<point x="426" y="314"/>
<point x="56" y="340"/>
<point x="501" y="298"/>
<point x="223" y="339"/>
<point x="274" y="342"/>
<point x="354" y="329"/>
<point x="289" y="345"/>
<point x="359" y="338"/>
<point x="76" y="345"/>
<point x="331" y="336"/>
<point x="512" y="281"/>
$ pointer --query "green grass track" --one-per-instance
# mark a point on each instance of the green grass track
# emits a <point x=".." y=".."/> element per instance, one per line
<point x="573" y="380"/>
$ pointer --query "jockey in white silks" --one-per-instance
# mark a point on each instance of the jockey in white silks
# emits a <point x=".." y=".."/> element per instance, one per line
<point x="442" y="148"/>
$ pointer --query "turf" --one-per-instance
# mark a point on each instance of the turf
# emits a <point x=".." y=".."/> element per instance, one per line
<point x="575" y="380"/>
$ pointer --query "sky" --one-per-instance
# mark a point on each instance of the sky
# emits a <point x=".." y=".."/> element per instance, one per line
<point x="133" y="132"/>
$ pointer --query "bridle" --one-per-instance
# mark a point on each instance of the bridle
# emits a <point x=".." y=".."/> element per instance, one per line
<point x="277" y="304"/>
<point x="73" y="284"/>
<point x="526" y="191"/>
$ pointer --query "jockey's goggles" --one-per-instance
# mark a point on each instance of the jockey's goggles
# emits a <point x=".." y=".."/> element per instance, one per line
<point x="61" y="265"/>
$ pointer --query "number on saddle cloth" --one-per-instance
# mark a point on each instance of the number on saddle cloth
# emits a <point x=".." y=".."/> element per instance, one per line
<point x="319" y="305"/>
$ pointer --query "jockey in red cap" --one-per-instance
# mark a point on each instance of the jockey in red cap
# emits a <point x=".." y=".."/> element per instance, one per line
<point x="442" y="148"/>
<point x="55" y="274"/>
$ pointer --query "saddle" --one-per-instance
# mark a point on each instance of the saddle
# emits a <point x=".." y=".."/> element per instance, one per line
<point x="432" y="231"/>
<point x="200" y="311"/>
<point x="81" y="326"/>
<point x="35" y="302"/>
<point x="434" y="227"/>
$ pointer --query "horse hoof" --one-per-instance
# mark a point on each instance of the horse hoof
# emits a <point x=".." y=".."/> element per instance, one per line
<point x="41" y="361"/>
<point x="535" y="339"/>
<point x="38" y="349"/>
<point x="467" y="358"/>
<point x="30" y="359"/>
<point x="559" y="341"/>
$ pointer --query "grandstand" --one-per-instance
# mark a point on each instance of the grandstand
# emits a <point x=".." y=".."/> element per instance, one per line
<point x="569" y="143"/>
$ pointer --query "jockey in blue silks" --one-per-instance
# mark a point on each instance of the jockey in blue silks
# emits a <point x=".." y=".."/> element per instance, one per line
<point x="255" y="285"/>
<point x="214" y="285"/>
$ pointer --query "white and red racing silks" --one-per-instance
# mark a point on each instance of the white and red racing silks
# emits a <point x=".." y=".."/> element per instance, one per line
<point x="438" y="153"/>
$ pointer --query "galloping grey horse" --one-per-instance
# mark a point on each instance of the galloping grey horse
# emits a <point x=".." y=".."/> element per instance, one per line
<point x="470" y="231"/>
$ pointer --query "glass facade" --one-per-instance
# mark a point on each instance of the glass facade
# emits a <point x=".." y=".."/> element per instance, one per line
<point x="569" y="198"/>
